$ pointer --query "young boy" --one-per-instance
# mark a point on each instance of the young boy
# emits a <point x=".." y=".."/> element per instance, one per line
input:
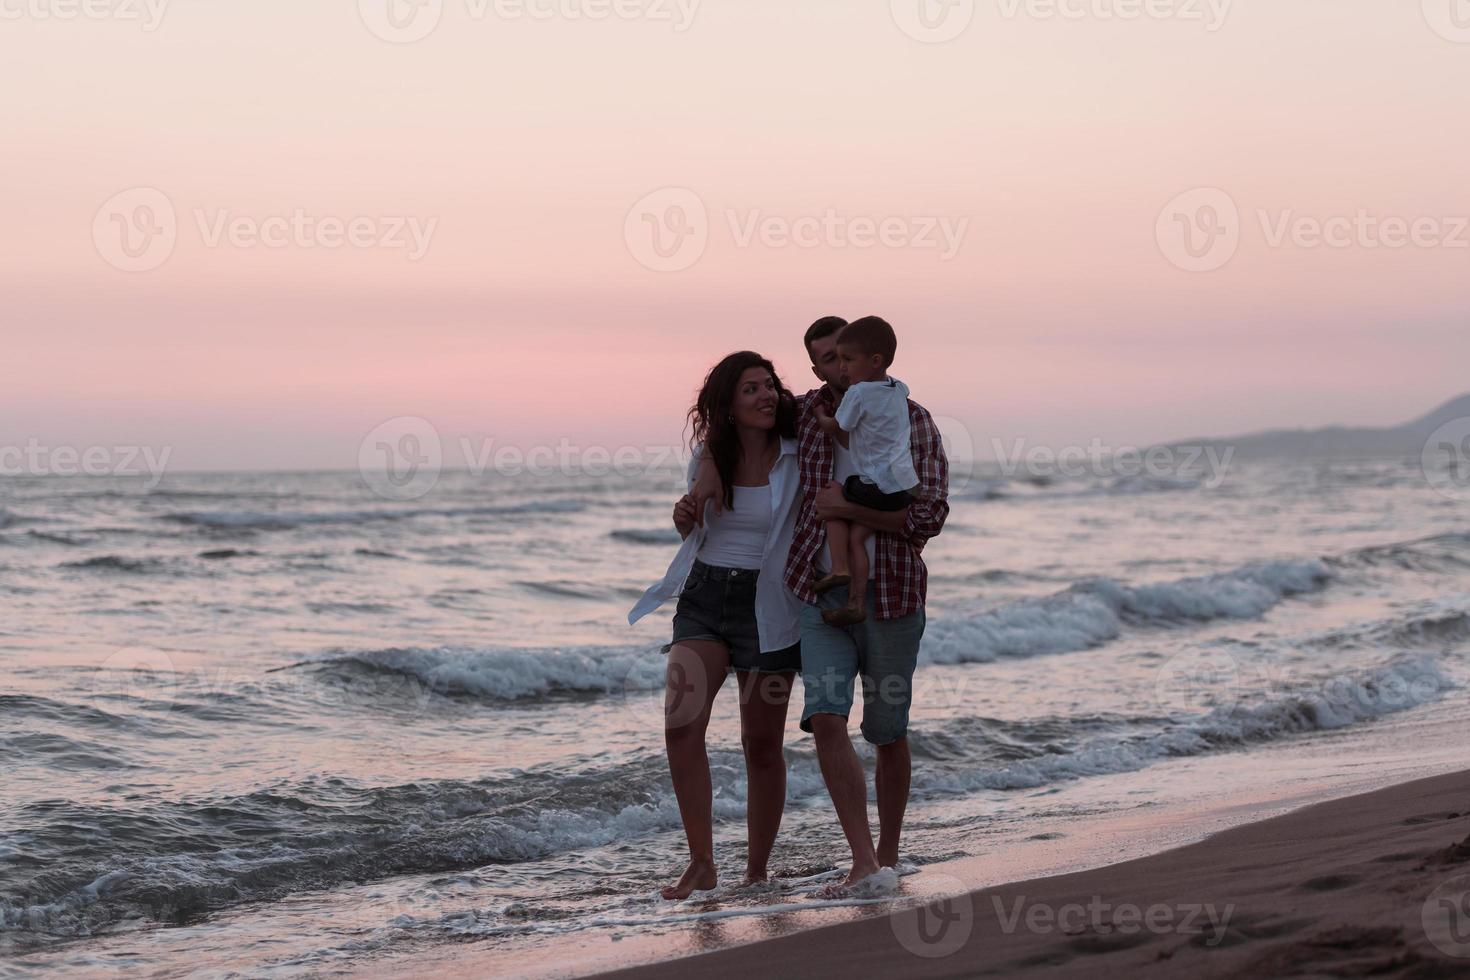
<point x="872" y="421"/>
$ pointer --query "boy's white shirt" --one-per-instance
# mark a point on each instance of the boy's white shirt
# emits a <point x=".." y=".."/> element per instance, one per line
<point x="776" y="607"/>
<point x="875" y="414"/>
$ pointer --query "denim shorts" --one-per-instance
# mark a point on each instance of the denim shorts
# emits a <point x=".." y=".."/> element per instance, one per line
<point x="882" y="652"/>
<point x="719" y="604"/>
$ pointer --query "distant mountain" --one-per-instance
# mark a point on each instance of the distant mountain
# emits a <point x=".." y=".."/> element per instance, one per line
<point x="1336" y="441"/>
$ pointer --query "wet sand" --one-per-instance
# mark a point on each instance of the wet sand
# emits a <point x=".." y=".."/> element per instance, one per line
<point x="1371" y="885"/>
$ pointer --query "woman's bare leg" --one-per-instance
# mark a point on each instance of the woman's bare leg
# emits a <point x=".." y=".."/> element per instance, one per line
<point x="763" y="702"/>
<point x="696" y="670"/>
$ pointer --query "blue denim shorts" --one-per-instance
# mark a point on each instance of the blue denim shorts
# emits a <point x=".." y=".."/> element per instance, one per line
<point x="719" y="604"/>
<point x="882" y="652"/>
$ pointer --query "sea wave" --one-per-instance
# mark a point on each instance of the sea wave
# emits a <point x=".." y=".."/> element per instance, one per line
<point x="285" y="521"/>
<point x="1093" y="612"/>
<point x="1254" y="716"/>
<point x="117" y="563"/>
<point x="508" y="673"/>
<point x="654" y="536"/>
<point x="170" y="861"/>
<point x="1084" y="616"/>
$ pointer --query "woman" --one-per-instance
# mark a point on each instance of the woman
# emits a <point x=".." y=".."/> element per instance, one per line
<point x="735" y="613"/>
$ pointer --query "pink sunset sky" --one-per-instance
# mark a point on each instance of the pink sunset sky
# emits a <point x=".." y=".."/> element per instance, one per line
<point x="524" y="135"/>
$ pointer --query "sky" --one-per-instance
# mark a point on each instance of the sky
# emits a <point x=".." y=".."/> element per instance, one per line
<point x="255" y="232"/>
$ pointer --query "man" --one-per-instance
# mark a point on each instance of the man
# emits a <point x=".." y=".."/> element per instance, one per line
<point x="883" y="650"/>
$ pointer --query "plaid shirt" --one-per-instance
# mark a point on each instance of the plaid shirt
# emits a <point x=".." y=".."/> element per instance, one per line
<point x="900" y="579"/>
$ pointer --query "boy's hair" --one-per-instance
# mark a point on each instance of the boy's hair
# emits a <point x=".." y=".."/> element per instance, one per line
<point x="871" y="335"/>
<point x="825" y="327"/>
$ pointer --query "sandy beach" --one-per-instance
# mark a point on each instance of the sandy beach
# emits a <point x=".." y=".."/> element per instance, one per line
<point x="1368" y="885"/>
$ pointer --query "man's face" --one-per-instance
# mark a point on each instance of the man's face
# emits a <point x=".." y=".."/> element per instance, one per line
<point x="825" y="364"/>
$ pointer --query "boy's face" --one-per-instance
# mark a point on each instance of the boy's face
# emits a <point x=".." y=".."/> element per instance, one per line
<point x="857" y="366"/>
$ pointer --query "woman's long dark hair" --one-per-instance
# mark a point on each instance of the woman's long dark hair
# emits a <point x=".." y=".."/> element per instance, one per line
<point x="710" y="419"/>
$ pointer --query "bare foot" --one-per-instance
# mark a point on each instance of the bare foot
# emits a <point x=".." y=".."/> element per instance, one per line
<point x="887" y="855"/>
<point x="855" y="877"/>
<point x="753" y="878"/>
<point x="700" y="876"/>
<point x="827" y="583"/>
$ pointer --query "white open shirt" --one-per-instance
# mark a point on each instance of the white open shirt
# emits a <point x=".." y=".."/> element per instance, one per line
<point x="776" y="607"/>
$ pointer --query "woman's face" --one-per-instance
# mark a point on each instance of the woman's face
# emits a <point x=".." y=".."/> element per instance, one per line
<point x="755" y="399"/>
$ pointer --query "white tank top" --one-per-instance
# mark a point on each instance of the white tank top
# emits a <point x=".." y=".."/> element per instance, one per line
<point x="737" y="538"/>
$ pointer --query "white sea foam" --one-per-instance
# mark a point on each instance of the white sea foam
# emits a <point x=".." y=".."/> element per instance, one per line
<point x="1093" y="612"/>
<point x="1079" y="618"/>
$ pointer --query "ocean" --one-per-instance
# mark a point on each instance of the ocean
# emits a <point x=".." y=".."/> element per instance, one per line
<point x="267" y="724"/>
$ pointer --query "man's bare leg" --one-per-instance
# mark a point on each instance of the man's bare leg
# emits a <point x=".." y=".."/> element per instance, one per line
<point x="696" y="670"/>
<point x="892" y="779"/>
<point x="847" y="784"/>
<point x="763" y="702"/>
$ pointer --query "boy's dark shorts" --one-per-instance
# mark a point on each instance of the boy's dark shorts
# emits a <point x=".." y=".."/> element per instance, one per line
<point x="864" y="494"/>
